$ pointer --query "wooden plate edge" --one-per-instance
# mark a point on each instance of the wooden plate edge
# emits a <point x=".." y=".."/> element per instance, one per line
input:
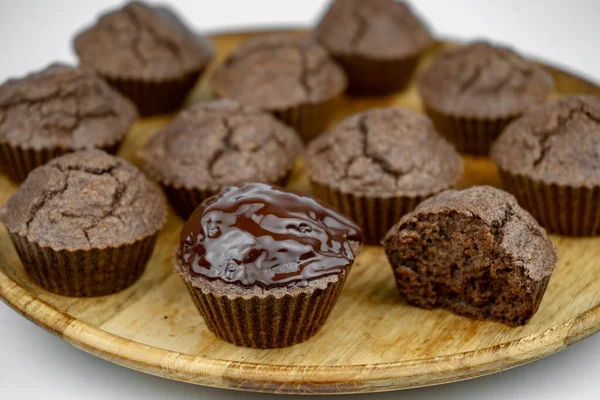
<point x="309" y="379"/>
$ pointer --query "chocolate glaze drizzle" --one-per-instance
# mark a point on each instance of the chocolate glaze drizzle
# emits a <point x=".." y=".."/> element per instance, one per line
<point x="259" y="234"/>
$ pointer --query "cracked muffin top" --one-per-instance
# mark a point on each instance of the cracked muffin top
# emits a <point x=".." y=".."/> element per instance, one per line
<point x="517" y="233"/>
<point x="380" y="29"/>
<point x="85" y="200"/>
<point x="482" y="80"/>
<point x="384" y="152"/>
<point x="278" y="71"/>
<point x="63" y="106"/>
<point x="558" y="142"/>
<point x="220" y="143"/>
<point x="139" y="41"/>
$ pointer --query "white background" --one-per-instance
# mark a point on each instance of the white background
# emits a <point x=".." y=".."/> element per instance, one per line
<point x="35" y="364"/>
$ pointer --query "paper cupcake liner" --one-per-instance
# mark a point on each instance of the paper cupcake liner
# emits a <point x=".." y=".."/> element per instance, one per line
<point x="18" y="162"/>
<point x="84" y="273"/>
<point x="469" y="135"/>
<point x="267" y="321"/>
<point x="309" y="120"/>
<point x="375" y="215"/>
<point x="566" y="210"/>
<point x="185" y="200"/>
<point x="155" y="97"/>
<point x="377" y="77"/>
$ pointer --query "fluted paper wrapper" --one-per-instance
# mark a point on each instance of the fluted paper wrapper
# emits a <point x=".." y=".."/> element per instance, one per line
<point x="185" y="199"/>
<point x="375" y="215"/>
<point x="566" y="210"/>
<point x="84" y="273"/>
<point x="469" y="135"/>
<point x="377" y="77"/>
<point x="18" y="162"/>
<point x="309" y="120"/>
<point x="267" y="321"/>
<point x="153" y="97"/>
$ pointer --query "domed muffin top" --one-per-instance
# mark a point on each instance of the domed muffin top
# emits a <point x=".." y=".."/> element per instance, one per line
<point x="85" y="200"/>
<point x="380" y="29"/>
<point x="558" y="142"/>
<point x="139" y="41"/>
<point x="219" y="143"/>
<point x="481" y="80"/>
<point x="384" y="152"/>
<point x="275" y="72"/>
<point x="63" y="106"/>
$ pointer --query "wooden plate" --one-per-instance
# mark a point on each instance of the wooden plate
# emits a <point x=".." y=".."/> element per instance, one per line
<point x="372" y="341"/>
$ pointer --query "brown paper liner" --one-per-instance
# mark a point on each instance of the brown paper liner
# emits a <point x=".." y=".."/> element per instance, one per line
<point x="18" y="162"/>
<point x="469" y="135"/>
<point x="375" y="215"/>
<point x="566" y="210"/>
<point x="84" y="273"/>
<point x="309" y="120"/>
<point x="267" y="321"/>
<point x="377" y="77"/>
<point x="185" y="200"/>
<point x="155" y="97"/>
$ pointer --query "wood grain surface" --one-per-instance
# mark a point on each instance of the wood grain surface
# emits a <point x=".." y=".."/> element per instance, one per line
<point x="373" y="341"/>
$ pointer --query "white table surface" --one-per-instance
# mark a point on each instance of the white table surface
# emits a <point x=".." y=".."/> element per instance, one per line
<point x="33" y="33"/>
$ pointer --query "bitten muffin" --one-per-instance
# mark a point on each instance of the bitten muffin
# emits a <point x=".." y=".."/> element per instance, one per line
<point x="147" y="54"/>
<point x="288" y="75"/>
<point x="55" y="111"/>
<point x="265" y="266"/>
<point x="472" y="92"/>
<point x="84" y="224"/>
<point x="378" y="43"/>
<point x="474" y="252"/>
<point x="550" y="160"/>
<point x="216" y="144"/>
<point x="378" y="165"/>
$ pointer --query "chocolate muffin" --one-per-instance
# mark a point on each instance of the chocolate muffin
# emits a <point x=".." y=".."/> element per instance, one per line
<point x="264" y="265"/>
<point x="378" y="165"/>
<point x="288" y="75"/>
<point x="550" y="160"/>
<point x="55" y="111"/>
<point x="377" y="42"/>
<point x="216" y="144"/>
<point x="85" y="223"/>
<point x="474" y="252"/>
<point x="472" y="92"/>
<point x="146" y="53"/>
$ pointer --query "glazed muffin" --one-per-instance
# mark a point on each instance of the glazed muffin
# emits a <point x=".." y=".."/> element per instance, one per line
<point x="474" y="252"/>
<point x="216" y="144"/>
<point x="265" y="266"/>
<point x="550" y="160"/>
<point x="147" y="54"/>
<point x="378" y="165"/>
<point x="84" y="224"/>
<point x="472" y="92"/>
<point x="378" y="43"/>
<point x="55" y="111"/>
<point x="288" y="75"/>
